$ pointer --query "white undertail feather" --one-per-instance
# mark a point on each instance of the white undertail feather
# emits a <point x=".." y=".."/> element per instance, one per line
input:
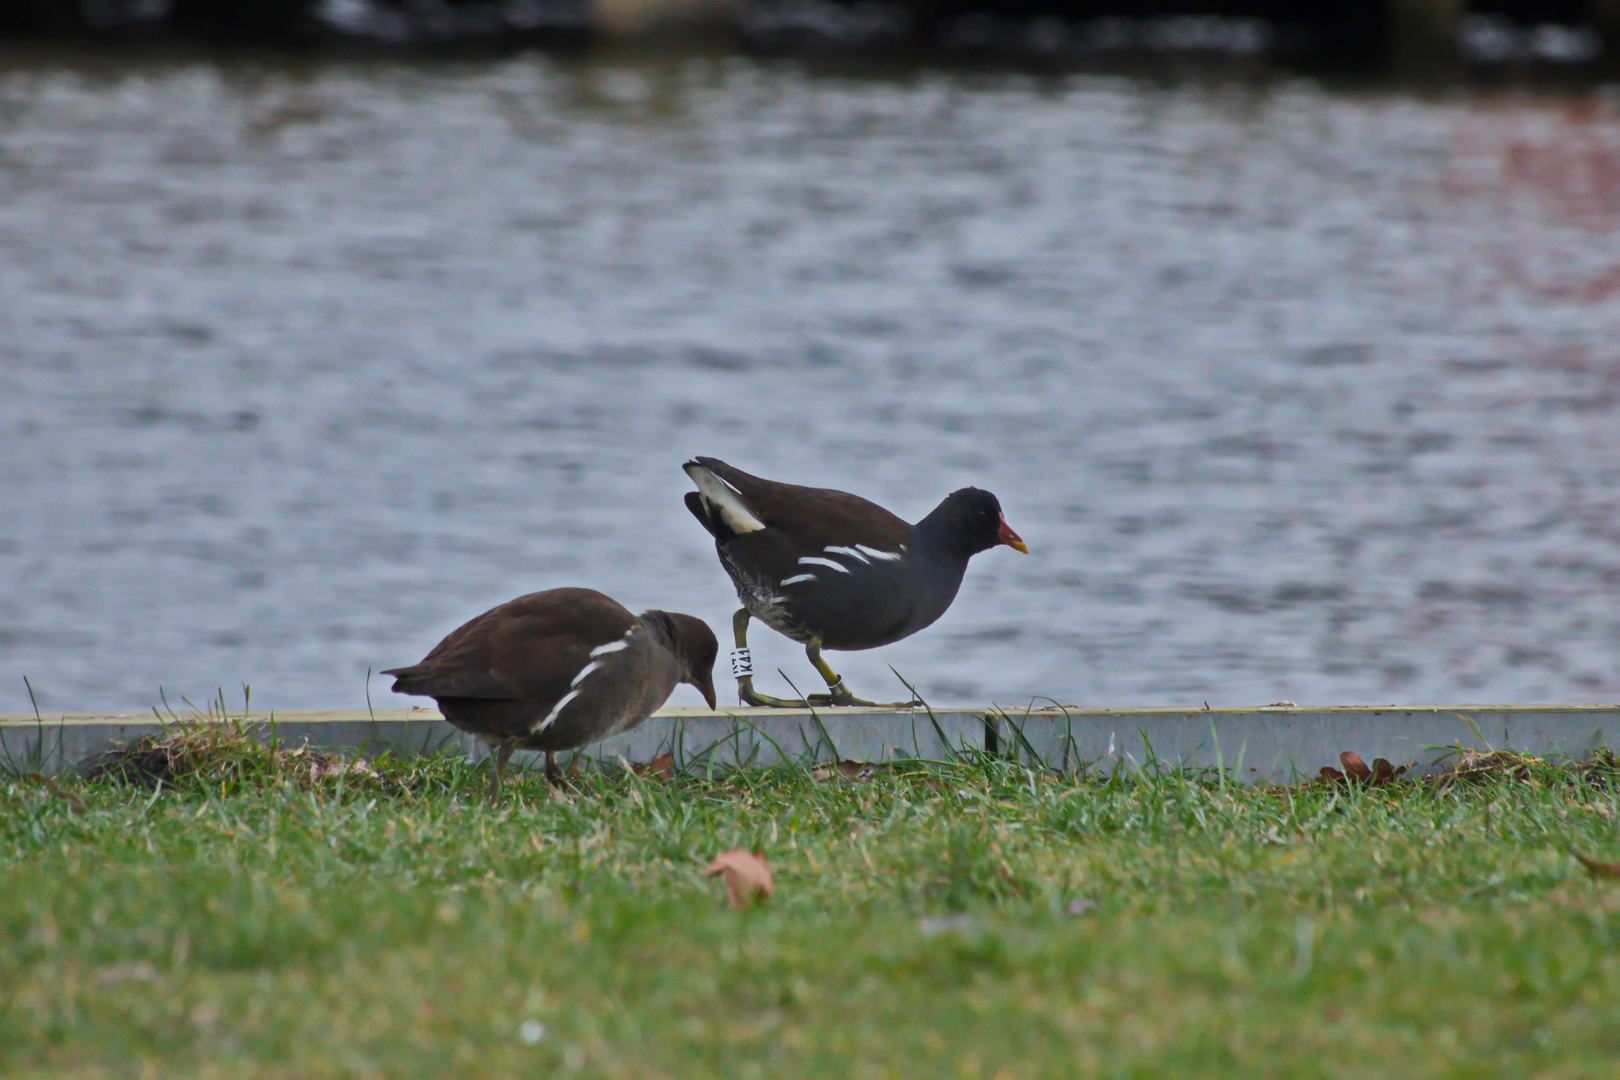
<point x="555" y="709"/>
<point x="796" y="578"/>
<point x="812" y="560"/>
<point x="736" y="512"/>
<point x="851" y="552"/>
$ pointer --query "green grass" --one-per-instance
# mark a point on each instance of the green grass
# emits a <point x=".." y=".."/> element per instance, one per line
<point x="393" y="925"/>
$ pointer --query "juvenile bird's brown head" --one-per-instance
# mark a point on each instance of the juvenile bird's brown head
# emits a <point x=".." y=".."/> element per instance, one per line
<point x="697" y="648"/>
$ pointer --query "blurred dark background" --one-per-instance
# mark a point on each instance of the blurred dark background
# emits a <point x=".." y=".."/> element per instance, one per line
<point x="1367" y="33"/>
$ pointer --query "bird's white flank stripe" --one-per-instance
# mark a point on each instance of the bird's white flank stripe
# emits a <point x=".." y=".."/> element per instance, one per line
<point x="812" y="560"/>
<point x="612" y="646"/>
<point x="734" y="509"/>
<point x="584" y="671"/>
<point x="886" y="556"/>
<point x="851" y="552"/>
<point x="555" y="709"/>
<point x="796" y="578"/>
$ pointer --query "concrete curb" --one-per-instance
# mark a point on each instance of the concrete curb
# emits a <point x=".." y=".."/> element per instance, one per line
<point x="1288" y="743"/>
<point x="698" y="739"/>
<point x="1271" y="743"/>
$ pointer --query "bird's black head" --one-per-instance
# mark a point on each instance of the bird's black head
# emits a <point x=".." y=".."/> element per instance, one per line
<point x="970" y="520"/>
<point x="697" y="648"/>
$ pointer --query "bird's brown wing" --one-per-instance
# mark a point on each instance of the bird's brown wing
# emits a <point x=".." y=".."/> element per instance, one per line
<point x="814" y="518"/>
<point x="527" y="649"/>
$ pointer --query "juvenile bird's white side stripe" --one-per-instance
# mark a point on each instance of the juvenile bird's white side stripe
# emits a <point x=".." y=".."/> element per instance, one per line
<point x="584" y="671"/>
<point x="796" y="578"/>
<point x="603" y="650"/>
<point x="733" y="508"/>
<point x="886" y="556"/>
<point x="851" y="552"/>
<point x="813" y="560"/>
<point x="555" y="709"/>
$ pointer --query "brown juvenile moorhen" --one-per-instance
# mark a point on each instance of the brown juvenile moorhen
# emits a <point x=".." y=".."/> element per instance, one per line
<point x="833" y="570"/>
<point x="560" y="669"/>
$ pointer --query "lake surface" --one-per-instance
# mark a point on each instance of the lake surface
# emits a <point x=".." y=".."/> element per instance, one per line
<point x="1294" y="392"/>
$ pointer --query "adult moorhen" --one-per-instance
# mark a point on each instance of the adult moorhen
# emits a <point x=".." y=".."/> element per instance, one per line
<point x="833" y="570"/>
<point x="559" y="669"/>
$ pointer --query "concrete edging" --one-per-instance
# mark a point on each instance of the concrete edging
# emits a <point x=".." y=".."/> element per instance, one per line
<point x="1277" y="743"/>
<point x="1287" y="743"/>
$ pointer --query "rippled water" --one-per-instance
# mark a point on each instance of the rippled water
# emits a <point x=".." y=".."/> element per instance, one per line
<point x="1293" y="392"/>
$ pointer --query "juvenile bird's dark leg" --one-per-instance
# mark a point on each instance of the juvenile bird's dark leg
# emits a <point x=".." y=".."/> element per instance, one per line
<point x="745" y="683"/>
<point x="502" y="756"/>
<point x="551" y="767"/>
<point x="837" y="693"/>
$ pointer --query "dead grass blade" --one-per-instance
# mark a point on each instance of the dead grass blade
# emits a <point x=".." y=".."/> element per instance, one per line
<point x="1474" y="765"/>
<point x="215" y="752"/>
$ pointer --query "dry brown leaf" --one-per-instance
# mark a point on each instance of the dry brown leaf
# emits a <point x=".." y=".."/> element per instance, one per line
<point x="747" y="875"/>
<point x="1357" y="771"/>
<point x="662" y="766"/>
<point x="75" y="804"/>
<point x="1354" y="767"/>
<point x="1598" y="869"/>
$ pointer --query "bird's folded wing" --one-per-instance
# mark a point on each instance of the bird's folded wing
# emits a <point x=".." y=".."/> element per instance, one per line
<point x="815" y="517"/>
<point x="531" y="648"/>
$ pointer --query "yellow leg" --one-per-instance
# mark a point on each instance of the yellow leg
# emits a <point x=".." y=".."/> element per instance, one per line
<point x="745" y="683"/>
<point x="834" y="680"/>
<point x="837" y="693"/>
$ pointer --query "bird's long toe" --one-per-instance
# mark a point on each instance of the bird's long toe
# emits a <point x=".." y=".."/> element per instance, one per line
<point x="840" y="696"/>
<point x="749" y="696"/>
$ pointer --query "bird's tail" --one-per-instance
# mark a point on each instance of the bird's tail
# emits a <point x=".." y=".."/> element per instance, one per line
<point x="405" y="678"/>
<point x="721" y="501"/>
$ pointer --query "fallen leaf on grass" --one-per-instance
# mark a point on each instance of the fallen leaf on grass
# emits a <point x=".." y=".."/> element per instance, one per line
<point x="1357" y="771"/>
<point x="1598" y="869"/>
<point x="75" y="804"/>
<point x="747" y="875"/>
<point x="662" y="766"/>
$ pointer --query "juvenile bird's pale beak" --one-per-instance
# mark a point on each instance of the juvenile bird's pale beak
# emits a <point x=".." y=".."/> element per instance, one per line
<point x="706" y="688"/>
<point x="1010" y="538"/>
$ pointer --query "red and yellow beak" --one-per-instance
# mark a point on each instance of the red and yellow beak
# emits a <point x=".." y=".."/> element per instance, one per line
<point x="1005" y="534"/>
